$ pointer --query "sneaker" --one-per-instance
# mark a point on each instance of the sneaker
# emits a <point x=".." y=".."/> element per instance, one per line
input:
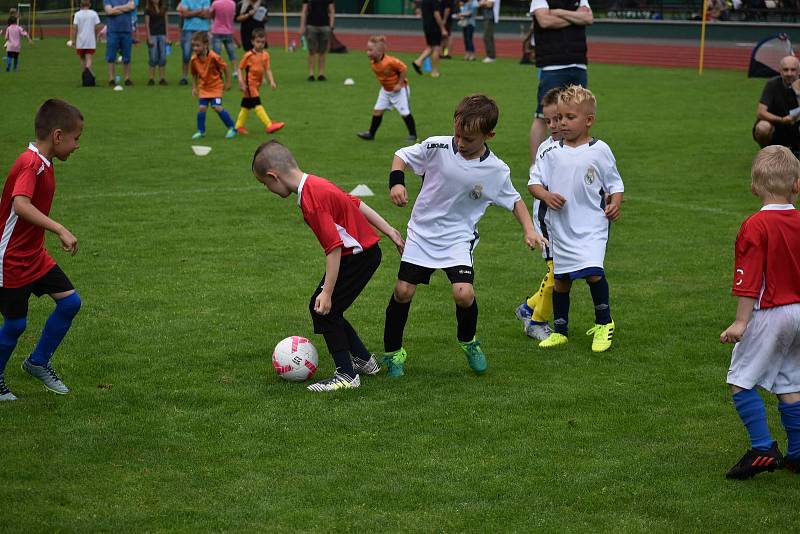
<point x="5" y="393"/>
<point x="417" y="68"/>
<point x="602" y="336"/>
<point x="337" y="381"/>
<point x="183" y="81"/>
<point x="395" y="362"/>
<point x="162" y="81"/>
<point x="275" y="126"/>
<point x="489" y="60"/>
<point x="151" y="81"/>
<point x="47" y="375"/>
<point x="554" y="340"/>
<point x="322" y="78"/>
<point x="128" y="82"/>
<point x="369" y="367"/>
<point x="524" y="313"/>
<point x="537" y="330"/>
<point x="792" y="464"/>
<point x="311" y="78"/>
<point x="411" y="138"/>
<point x="198" y="135"/>
<point x="236" y="74"/>
<point x="242" y="131"/>
<point x="475" y="356"/>
<point x="111" y="83"/>
<point x="231" y="133"/>
<point x="366" y="136"/>
<point x="756" y="461"/>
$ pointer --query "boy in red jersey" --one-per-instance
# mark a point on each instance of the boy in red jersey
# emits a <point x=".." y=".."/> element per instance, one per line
<point x="394" y="93"/>
<point x="344" y="227"/>
<point x="25" y="265"/>
<point x="767" y="326"/>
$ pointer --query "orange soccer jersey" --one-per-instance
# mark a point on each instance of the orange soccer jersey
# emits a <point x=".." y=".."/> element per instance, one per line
<point x="254" y="65"/>
<point x="388" y="71"/>
<point x="209" y="73"/>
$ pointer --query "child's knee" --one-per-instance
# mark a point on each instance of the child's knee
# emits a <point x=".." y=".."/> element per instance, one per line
<point x="218" y="109"/>
<point x="464" y="295"/>
<point x="69" y="306"/>
<point x="14" y="327"/>
<point x="593" y="279"/>
<point x="202" y="109"/>
<point x="562" y="286"/>
<point x="377" y="113"/>
<point x="404" y="292"/>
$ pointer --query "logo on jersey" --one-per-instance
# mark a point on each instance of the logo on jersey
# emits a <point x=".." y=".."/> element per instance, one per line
<point x="437" y="145"/>
<point x="477" y="192"/>
<point x="740" y="277"/>
<point x="589" y="176"/>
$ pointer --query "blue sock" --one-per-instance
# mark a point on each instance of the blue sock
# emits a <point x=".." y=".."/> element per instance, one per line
<point x="560" y="312"/>
<point x="201" y="121"/>
<point x="226" y="118"/>
<point x="602" y="311"/>
<point x="55" y="329"/>
<point x="9" y="334"/>
<point x="357" y="347"/>
<point x="754" y="416"/>
<point x="790" y="417"/>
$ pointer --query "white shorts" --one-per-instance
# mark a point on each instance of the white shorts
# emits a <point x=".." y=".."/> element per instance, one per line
<point x="425" y="254"/>
<point x="769" y="353"/>
<point x="399" y="100"/>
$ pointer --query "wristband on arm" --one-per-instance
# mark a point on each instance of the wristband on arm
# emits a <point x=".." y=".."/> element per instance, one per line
<point x="397" y="178"/>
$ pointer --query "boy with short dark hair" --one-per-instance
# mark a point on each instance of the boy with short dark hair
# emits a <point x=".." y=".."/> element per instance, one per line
<point x="462" y="179"/>
<point x="344" y="227"/>
<point x="25" y="265"/>
<point x="253" y="68"/>
<point x="767" y="281"/>
<point x="581" y="186"/>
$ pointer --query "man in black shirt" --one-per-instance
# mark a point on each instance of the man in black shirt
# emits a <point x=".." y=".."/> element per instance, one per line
<point x="316" y="24"/>
<point x="433" y="26"/>
<point x="776" y="122"/>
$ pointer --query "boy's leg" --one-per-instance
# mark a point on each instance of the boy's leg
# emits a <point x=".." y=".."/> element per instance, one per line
<point x="561" y="288"/>
<point x="396" y="317"/>
<point x="789" y="407"/>
<point x="411" y="125"/>
<point x="201" y="122"/>
<point x="467" y="320"/>
<point x="241" y="120"/>
<point x="764" y="454"/>
<point x="543" y="310"/>
<point x="224" y="116"/>
<point x="377" y="117"/>
<point x="603" y="330"/>
<point x="364" y="362"/>
<point x="9" y="334"/>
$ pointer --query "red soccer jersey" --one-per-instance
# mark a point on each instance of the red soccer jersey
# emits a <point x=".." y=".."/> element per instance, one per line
<point x="768" y="257"/>
<point x="23" y="258"/>
<point x="334" y="217"/>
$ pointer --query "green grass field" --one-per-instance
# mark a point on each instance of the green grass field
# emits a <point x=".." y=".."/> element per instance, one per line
<point x="190" y="272"/>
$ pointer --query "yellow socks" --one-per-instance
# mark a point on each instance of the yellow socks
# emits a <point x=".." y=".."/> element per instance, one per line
<point x="543" y="311"/>
<point x="241" y="120"/>
<point x="261" y="113"/>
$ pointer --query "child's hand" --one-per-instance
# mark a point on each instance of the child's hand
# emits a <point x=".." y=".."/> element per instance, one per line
<point x="68" y="241"/>
<point x="555" y="201"/>
<point x="734" y="333"/>
<point x="397" y="87"/>
<point x="242" y="85"/>
<point x="228" y="85"/>
<point x="534" y="240"/>
<point x="612" y="212"/>
<point x="399" y="195"/>
<point x="322" y="305"/>
<point x="194" y="92"/>
<point x="397" y="239"/>
<point x="273" y="85"/>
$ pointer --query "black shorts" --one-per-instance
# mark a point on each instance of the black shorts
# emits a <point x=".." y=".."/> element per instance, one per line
<point x="416" y="274"/>
<point x="433" y="35"/>
<point x="251" y="102"/>
<point x="788" y="136"/>
<point x="14" y="300"/>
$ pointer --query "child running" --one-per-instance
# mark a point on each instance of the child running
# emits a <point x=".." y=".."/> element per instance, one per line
<point x="344" y="227"/>
<point x="579" y="182"/>
<point x="535" y="313"/>
<point x="252" y="70"/>
<point x="394" y="93"/>
<point x="25" y="266"/>
<point x="767" y="282"/>
<point x="209" y="79"/>
<point x="462" y="178"/>
<point x="13" y="35"/>
<point x="86" y="24"/>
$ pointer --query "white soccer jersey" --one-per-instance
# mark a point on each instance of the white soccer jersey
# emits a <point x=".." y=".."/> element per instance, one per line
<point x="583" y="175"/>
<point x="442" y="231"/>
<point x="539" y="207"/>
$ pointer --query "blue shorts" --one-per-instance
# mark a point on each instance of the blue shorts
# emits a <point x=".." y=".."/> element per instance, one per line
<point x="583" y="273"/>
<point x="119" y="41"/>
<point x="550" y="79"/>
<point x="213" y="102"/>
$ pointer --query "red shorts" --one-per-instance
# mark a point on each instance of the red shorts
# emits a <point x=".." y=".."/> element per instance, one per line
<point x="83" y="51"/>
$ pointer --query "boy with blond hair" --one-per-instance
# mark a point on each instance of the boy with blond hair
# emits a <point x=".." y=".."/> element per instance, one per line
<point x="344" y="227"/>
<point x="579" y="182"/>
<point x="462" y="179"/>
<point x="535" y="312"/>
<point x="767" y="282"/>
<point x="394" y="92"/>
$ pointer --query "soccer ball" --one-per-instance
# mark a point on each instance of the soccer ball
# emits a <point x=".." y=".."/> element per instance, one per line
<point x="295" y="359"/>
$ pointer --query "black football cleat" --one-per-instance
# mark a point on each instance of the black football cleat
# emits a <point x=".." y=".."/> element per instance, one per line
<point x="756" y="461"/>
<point x="417" y="68"/>
<point x="366" y="136"/>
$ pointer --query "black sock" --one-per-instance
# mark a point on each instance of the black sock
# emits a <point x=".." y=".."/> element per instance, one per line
<point x="376" y="122"/>
<point x="602" y="310"/>
<point x="396" y="317"/>
<point x="560" y="312"/>
<point x="410" y="124"/>
<point x="467" y="319"/>
<point x="357" y="347"/>
<point x="344" y="365"/>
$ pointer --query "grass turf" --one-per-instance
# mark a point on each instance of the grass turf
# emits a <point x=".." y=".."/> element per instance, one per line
<point x="190" y="272"/>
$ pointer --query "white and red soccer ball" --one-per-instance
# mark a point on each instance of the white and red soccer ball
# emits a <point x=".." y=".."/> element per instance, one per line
<point x="295" y="359"/>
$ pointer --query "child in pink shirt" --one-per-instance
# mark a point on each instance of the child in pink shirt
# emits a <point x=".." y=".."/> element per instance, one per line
<point x="223" y="12"/>
<point x="14" y="35"/>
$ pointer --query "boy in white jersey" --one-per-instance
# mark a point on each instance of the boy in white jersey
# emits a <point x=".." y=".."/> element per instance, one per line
<point x="579" y="182"/>
<point x="535" y="312"/>
<point x="462" y="178"/>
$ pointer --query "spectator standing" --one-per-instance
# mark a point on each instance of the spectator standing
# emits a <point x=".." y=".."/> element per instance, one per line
<point x="491" y="16"/>
<point x="316" y="22"/>
<point x="251" y="15"/>
<point x="434" y="29"/>
<point x="222" y="13"/>
<point x="467" y="14"/>
<point x="195" y="15"/>
<point x="120" y="37"/>
<point x="155" y="24"/>
<point x="446" y="9"/>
